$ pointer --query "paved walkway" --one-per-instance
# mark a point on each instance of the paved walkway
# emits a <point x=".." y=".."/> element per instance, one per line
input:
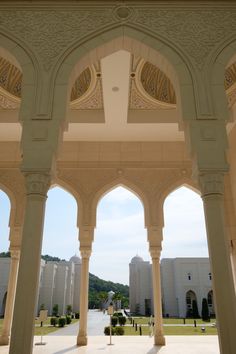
<point x="126" y="345"/>
<point x="63" y="342"/>
<point x="96" y="323"/>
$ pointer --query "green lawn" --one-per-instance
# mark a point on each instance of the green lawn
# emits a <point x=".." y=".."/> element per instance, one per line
<point x="172" y="330"/>
<point x="47" y="328"/>
<point x="145" y="320"/>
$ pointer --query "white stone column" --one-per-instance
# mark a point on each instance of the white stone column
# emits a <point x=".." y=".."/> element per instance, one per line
<point x="155" y="239"/>
<point x="212" y="186"/>
<point x="11" y="290"/>
<point x="84" y="283"/>
<point x="37" y="185"/>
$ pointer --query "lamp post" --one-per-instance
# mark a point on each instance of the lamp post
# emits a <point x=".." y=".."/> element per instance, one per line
<point x="110" y="312"/>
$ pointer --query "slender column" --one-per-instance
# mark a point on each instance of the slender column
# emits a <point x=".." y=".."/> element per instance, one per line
<point x="212" y="185"/>
<point x="37" y="185"/>
<point x="11" y="290"/>
<point x="155" y="239"/>
<point x="84" y="282"/>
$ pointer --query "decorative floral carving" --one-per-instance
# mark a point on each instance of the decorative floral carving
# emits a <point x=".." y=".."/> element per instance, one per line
<point x="6" y="103"/>
<point x="138" y="101"/>
<point x="211" y="183"/>
<point x="196" y="32"/>
<point x="93" y="101"/>
<point x="37" y="183"/>
<point x="50" y="32"/>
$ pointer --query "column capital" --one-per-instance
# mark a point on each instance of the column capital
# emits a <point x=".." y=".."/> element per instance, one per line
<point x="37" y="183"/>
<point x="85" y="252"/>
<point x="211" y="183"/>
<point x="15" y="253"/>
<point x="155" y="252"/>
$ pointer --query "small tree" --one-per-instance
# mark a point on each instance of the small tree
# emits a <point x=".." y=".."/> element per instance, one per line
<point x="61" y="322"/>
<point x="55" y="310"/>
<point x="195" y="309"/>
<point x="114" y="321"/>
<point x="205" y="310"/>
<point x="122" y="320"/>
<point x="68" y="309"/>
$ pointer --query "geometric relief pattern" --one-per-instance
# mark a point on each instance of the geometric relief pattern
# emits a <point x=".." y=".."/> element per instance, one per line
<point x="10" y="77"/>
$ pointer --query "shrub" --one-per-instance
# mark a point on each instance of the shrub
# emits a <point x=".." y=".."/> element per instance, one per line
<point x="195" y="309"/>
<point x="77" y="315"/>
<point x="55" y="310"/>
<point x="119" y="331"/>
<point x="107" y="331"/>
<point x="122" y="320"/>
<point x="205" y="310"/>
<point x="115" y="314"/>
<point x="61" y="322"/>
<point x="114" y="321"/>
<point x="53" y="321"/>
<point x="68" y="319"/>
<point x="68" y="309"/>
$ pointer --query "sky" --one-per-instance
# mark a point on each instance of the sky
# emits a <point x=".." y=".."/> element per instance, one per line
<point x="120" y="232"/>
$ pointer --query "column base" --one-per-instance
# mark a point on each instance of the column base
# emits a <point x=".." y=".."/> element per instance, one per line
<point x="159" y="340"/>
<point x="4" y="340"/>
<point x="82" y="340"/>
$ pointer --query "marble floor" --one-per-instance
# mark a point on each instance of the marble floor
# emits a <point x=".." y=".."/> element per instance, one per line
<point x="126" y="345"/>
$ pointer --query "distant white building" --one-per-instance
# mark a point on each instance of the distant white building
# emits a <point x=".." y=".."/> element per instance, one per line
<point x="183" y="280"/>
<point x="59" y="284"/>
<point x="140" y="286"/>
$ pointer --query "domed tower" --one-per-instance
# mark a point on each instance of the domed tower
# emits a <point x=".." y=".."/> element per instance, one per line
<point x="75" y="259"/>
<point x="77" y="273"/>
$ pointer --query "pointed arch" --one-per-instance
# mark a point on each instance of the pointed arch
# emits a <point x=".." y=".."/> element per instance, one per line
<point x="170" y="188"/>
<point x="14" y="49"/>
<point x="12" y="199"/>
<point x="70" y="190"/>
<point x="121" y="182"/>
<point x="130" y="38"/>
<point x="220" y="60"/>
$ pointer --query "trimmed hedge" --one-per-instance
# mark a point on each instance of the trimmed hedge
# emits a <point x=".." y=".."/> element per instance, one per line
<point x="114" y="321"/>
<point x="68" y="319"/>
<point x="77" y="315"/>
<point x="107" y="331"/>
<point x="122" y="320"/>
<point x="119" y="331"/>
<point x="61" y="322"/>
<point x="54" y="321"/>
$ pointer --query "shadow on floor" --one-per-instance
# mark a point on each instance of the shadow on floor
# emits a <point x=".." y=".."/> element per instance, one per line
<point x="66" y="350"/>
<point x="154" y="350"/>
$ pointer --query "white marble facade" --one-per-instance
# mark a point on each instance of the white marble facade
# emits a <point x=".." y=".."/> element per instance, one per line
<point x="181" y="279"/>
<point x="59" y="284"/>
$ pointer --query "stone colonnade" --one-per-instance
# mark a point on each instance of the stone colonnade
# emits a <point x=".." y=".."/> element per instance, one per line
<point x="196" y="70"/>
<point x="37" y="185"/>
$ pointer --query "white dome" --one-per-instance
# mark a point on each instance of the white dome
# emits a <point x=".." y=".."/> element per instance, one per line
<point x="75" y="259"/>
<point x="137" y="259"/>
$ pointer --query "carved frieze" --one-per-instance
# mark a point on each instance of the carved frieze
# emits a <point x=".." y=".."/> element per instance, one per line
<point x="196" y="32"/>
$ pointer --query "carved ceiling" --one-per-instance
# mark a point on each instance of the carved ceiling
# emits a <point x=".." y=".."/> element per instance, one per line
<point x="150" y="88"/>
